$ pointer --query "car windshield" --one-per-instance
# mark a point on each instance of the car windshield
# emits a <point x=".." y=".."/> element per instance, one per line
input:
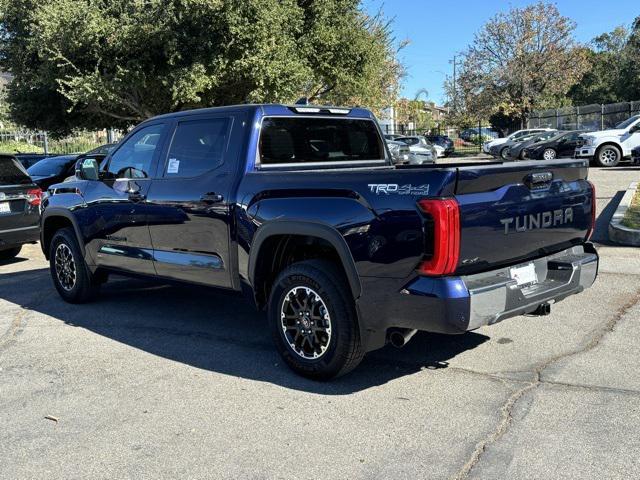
<point x="627" y="122"/>
<point x="48" y="166"/>
<point x="409" y="140"/>
<point x="102" y="149"/>
<point x="12" y="173"/>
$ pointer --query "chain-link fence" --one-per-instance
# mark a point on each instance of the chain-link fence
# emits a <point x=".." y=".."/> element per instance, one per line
<point x="28" y="141"/>
<point x="588" y="117"/>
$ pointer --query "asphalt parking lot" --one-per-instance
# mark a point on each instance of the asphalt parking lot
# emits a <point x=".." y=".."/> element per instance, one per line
<point x="174" y="382"/>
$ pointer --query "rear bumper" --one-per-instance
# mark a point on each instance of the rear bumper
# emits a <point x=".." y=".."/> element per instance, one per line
<point x="19" y="236"/>
<point x="456" y="305"/>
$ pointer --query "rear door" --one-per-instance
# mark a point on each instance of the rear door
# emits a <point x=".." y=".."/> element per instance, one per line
<point x="19" y="211"/>
<point x="511" y="213"/>
<point x="189" y="218"/>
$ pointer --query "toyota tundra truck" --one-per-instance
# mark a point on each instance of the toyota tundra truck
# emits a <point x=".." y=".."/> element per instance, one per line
<point x="302" y="209"/>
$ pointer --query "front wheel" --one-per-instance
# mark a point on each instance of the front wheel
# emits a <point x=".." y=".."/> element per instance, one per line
<point x="504" y="153"/>
<point x="69" y="272"/>
<point x="313" y="320"/>
<point x="549" y="154"/>
<point x="608" y="156"/>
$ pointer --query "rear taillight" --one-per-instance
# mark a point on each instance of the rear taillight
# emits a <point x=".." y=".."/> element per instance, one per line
<point x="445" y="216"/>
<point x="593" y="211"/>
<point x="34" y="196"/>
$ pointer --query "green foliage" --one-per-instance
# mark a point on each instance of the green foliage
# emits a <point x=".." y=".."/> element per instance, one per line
<point x="97" y="63"/>
<point x="615" y="72"/>
<point x="14" y="146"/>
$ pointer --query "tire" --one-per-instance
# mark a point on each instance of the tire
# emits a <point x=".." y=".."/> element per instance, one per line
<point x="69" y="272"/>
<point x="503" y="153"/>
<point x="320" y="355"/>
<point x="10" y="253"/>
<point x="608" y="156"/>
<point x="549" y="154"/>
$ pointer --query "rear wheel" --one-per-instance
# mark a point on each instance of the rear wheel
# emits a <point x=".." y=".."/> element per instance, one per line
<point x="313" y="320"/>
<point x="69" y="272"/>
<point x="10" y="253"/>
<point x="549" y="154"/>
<point x="608" y="156"/>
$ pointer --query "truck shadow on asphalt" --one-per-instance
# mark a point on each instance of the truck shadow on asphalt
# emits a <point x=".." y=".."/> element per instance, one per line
<point x="601" y="233"/>
<point x="214" y="331"/>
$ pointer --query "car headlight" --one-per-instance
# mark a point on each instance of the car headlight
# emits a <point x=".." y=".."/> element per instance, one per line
<point x="589" y="141"/>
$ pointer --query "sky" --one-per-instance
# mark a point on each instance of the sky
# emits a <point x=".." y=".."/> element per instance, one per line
<point x="439" y="29"/>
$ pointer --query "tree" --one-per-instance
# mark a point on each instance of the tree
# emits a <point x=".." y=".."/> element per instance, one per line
<point x="603" y="82"/>
<point x="99" y="63"/>
<point x="416" y="112"/>
<point x="520" y="60"/>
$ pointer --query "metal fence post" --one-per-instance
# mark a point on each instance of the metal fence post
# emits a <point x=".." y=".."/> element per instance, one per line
<point x="46" y="144"/>
<point x="601" y="116"/>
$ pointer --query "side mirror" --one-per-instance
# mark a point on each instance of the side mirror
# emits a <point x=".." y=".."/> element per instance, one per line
<point x="88" y="169"/>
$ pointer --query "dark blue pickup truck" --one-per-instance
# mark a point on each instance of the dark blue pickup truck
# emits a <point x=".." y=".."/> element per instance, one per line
<point x="302" y="209"/>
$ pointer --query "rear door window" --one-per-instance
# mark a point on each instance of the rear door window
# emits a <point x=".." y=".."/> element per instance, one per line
<point x="305" y="140"/>
<point x="11" y="172"/>
<point x="197" y="147"/>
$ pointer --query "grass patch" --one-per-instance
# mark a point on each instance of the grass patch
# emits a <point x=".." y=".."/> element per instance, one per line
<point x="632" y="216"/>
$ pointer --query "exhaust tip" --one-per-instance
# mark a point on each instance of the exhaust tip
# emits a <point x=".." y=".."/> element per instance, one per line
<point x="400" y="336"/>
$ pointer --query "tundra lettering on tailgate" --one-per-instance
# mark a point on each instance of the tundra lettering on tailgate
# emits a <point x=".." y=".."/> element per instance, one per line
<point x="535" y="221"/>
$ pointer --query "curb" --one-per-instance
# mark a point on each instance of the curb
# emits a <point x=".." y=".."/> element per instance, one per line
<point x="618" y="233"/>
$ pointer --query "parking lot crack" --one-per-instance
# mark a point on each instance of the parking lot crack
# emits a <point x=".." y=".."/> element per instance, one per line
<point x="506" y="418"/>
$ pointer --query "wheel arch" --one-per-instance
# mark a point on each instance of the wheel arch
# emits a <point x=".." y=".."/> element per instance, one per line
<point x="281" y="230"/>
<point x="54" y="219"/>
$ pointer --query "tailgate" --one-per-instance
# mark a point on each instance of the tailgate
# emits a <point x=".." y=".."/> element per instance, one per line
<point x="518" y="212"/>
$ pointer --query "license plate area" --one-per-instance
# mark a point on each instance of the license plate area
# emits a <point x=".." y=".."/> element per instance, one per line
<point x="524" y="274"/>
<point x="5" y="207"/>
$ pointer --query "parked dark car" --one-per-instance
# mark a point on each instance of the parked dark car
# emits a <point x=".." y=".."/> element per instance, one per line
<point x="502" y="150"/>
<point x="30" y="159"/>
<point x="516" y="151"/>
<point x="444" y="141"/>
<point x="308" y="216"/>
<point x="635" y="156"/>
<point x="19" y="207"/>
<point x="52" y="170"/>
<point x="562" y="145"/>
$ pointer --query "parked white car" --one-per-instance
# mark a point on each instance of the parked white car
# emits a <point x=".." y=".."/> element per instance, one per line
<point x="608" y="147"/>
<point x="486" y="146"/>
<point x="425" y="151"/>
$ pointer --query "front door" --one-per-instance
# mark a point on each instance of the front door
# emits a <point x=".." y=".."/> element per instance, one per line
<point x="189" y="201"/>
<point x="117" y="203"/>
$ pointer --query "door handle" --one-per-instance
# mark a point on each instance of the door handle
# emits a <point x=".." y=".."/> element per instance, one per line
<point x="211" y="197"/>
<point x="137" y="197"/>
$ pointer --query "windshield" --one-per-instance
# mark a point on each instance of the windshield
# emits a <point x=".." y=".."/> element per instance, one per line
<point x="287" y="140"/>
<point x="12" y="173"/>
<point x="628" y="122"/>
<point x="48" y="167"/>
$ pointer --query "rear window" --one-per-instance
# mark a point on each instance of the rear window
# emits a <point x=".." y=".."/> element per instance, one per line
<point x="12" y="173"/>
<point x="303" y="140"/>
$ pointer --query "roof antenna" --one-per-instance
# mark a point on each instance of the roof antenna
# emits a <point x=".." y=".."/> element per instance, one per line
<point x="302" y="101"/>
